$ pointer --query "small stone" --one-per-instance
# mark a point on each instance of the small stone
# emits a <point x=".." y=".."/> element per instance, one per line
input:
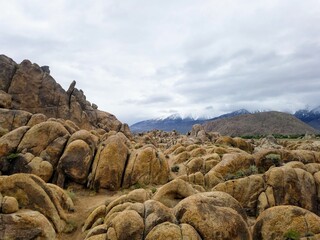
<point x="9" y="205"/>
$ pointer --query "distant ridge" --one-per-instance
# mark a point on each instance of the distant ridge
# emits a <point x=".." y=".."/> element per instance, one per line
<point x="176" y="122"/>
<point x="311" y="117"/>
<point x="261" y="123"/>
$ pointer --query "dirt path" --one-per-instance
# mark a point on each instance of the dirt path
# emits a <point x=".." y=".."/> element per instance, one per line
<point x="85" y="201"/>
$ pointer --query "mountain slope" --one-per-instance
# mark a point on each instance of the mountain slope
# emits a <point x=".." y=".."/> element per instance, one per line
<point x="176" y="122"/>
<point x="311" y="117"/>
<point x="259" y="123"/>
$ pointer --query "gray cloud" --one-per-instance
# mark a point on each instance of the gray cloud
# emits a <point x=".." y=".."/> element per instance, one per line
<point x="144" y="59"/>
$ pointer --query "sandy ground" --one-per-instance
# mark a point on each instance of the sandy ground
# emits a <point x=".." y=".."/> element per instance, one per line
<point x="85" y="201"/>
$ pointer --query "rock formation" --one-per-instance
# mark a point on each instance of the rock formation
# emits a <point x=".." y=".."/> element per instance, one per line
<point x="156" y="185"/>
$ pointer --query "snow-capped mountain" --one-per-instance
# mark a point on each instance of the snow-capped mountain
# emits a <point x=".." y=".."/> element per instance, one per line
<point x="177" y="122"/>
<point x="311" y="117"/>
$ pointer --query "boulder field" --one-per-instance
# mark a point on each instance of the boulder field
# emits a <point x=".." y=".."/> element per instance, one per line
<point x="70" y="171"/>
<point x="165" y="185"/>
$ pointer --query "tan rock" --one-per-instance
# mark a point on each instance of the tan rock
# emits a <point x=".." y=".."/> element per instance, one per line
<point x="304" y="156"/>
<point x="63" y="198"/>
<point x="138" y="195"/>
<point x="146" y="166"/>
<point x="109" y="164"/>
<point x="245" y="190"/>
<point x="198" y="152"/>
<point x="36" y="119"/>
<point x="5" y="100"/>
<point x="97" y="213"/>
<point x="75" y="162"/>
<point x="188" y="232"/>
<point x="290" y="186"/>
<point x="230" y="164"/>
<point x="45" y="140"/>
<point x="128" y="225"/>
<point x="10" y="141"/>
<point x="32" y="193"/>
<point x="266" y="158"/>
<point x="9" y="205"/>
<point x="210" y="215"/>
<point x="173" y="192"/>
<point x="181" y="157"/>
<point x="115" y="211"/>
<point x="42" y="169"/>
<point x="26" y="224"/>
<point x="195" y="165"/>
<point x="155" y="214"/>
<point x="276" y="222"/>
<point x="312" y="167"/>
<point x="12" y="119"/>
<point x="165" y="231"/>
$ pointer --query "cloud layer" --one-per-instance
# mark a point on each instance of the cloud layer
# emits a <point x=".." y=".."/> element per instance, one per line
<point x="142" y="59"/>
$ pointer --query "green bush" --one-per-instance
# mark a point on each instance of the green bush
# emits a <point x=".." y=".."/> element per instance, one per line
<point x="274" y="158"/>
<point x="175" y="168"/>
<point x="243" y="173"/>
<point x="12" y="156"/>
<point x="291" y="235"/>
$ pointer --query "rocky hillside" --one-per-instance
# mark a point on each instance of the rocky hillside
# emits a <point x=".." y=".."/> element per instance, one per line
<point x="262" y="123"/>
<point x="59" y="180"/>
<point x="29" y="87"/>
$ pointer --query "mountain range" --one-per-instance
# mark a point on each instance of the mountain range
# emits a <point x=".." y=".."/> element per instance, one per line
<point x="184" y="125"/>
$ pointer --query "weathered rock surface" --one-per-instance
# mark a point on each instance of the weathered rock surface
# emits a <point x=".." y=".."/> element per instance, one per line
<point x="245" y="190"/>
<point x="146" y="166"/>
<point x="109" y="163"/>
<point x="45" y="140"/>
<point x="32" y="193"/>
<point x="213" y="217"/>
<point x="27" y="86"/>
<point x="26" y="224"/>
<point x="289" y="186"/>
<point x="278" y="222"/>
<point x="76" y="161"/>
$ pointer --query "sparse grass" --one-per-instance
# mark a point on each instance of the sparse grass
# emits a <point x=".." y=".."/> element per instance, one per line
<point x="12" y="156"/>
<point x="71" y="193"/>
<point x="70" y="227"/>
<point x="153" y="190"/>
<point x="137" y="185"/>
<point x="243" y="173"/>
<point x="274" y="158"/>
<point x="291" y="235"/>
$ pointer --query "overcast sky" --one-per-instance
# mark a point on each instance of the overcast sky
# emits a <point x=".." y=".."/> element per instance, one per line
<point x="141" y="59"/>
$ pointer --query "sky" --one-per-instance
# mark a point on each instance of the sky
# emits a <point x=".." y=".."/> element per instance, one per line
<point x="143" y="59"/>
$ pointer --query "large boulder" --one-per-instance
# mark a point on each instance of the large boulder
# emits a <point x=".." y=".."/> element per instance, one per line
<point x="46" y="140"/>
<point x="245" y="190"/>
<point x="146" y="166"/>
<point x="281" y="222"/>
<point x="32" y="193"/>
<point x="10" y="141"/>
<point x="288" y="186"/>
<point x="26" y="224"/>
<point x="213" y="216"/>
<point x="77" y="158"/>
<point x="230" y="165"/>
<point x="109" y="163"/>
<point x="173" y="192"/>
